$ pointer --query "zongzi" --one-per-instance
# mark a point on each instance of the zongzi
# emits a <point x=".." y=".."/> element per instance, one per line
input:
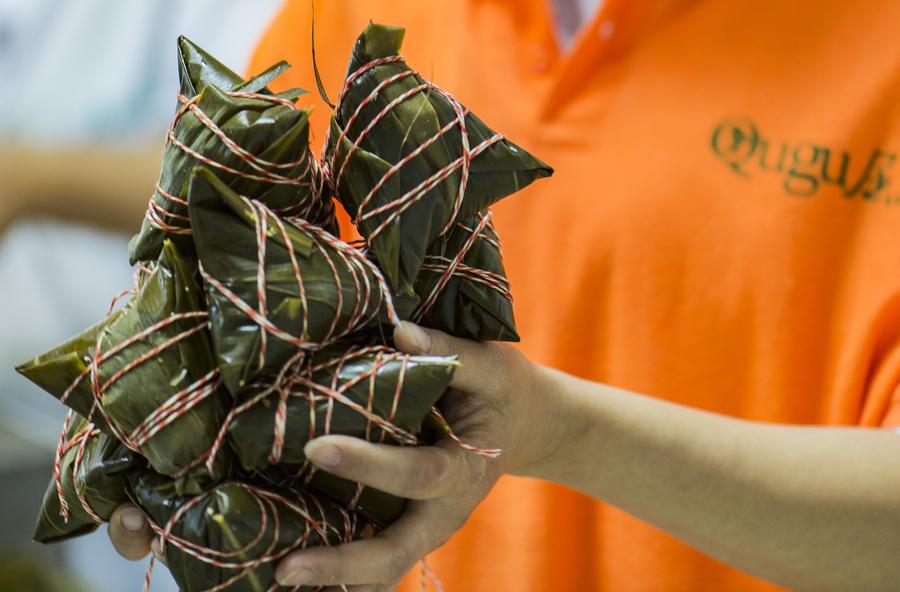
<point x="258" y="142"/>
<point x="407" y="160"/>
<point x="147" y="375"/>
<point x="87" y="485"/>
<point x="276" y="287"/>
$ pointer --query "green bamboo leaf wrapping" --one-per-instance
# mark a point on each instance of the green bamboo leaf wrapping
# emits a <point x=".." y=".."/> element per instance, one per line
<point x="197" y="68"/>
<point x="98" y="478"/>
<point x="416" y="130"/>
<point x="339" y="390"/>
<point x="366" y="392"/>
<point x="475" y="302"/>
<point x="66" y="364"/>
<point x="373" y="505"/>
<point x="188" y="362"/>
<point x="277" y="133"/>
<point x="251" y="526"/>
<point x="162" y="332"/>
<point x="341" y="291"/>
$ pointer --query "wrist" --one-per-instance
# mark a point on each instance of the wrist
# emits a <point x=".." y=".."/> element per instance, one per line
<point x="546" y="440"/>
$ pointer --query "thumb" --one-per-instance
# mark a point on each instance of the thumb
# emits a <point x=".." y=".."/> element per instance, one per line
<point x="474" y="357"/>
<point x="129" y="532"/>
<point x="413" y="339"/>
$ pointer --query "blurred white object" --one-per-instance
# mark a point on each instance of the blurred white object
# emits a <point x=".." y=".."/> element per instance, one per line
<point x="43" y="268"/>
<point x="101" y="69"/>
<point x="77" y="72"/>
<point x="571" y="16"/>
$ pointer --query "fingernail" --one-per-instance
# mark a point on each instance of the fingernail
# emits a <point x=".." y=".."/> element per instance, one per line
<point x="417" y="336"/>
<point x="323" y="454"/>
<point x="132" y="520"/>
<point x="296" y="577"/>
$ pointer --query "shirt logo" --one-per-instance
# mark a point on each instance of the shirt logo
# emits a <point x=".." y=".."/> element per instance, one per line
<point x="804" y="167"/>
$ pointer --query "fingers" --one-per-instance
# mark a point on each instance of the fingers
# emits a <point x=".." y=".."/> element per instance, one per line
<point x="360" y="562"/>
<point x="423" y="472"/>
<point x="375" y="564"/>
<point x="129" y="532"/>
<point x="477" y="360"/>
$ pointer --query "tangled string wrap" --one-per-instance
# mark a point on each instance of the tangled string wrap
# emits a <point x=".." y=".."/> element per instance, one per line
<point x="264" y="171"/>
<point x="447" y="268"/>
<point x="396" y="206"/>
<point x="295" y="379"/>
<point x="81" y="438"/>
<point x="350" y="260"/>
<point x="313" y="518"/>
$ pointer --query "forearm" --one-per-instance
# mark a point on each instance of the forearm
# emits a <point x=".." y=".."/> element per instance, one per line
<point x="102" y="185"/>
<point x="809" y="508"/>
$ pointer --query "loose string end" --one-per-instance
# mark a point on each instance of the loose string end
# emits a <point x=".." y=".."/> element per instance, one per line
<point x="319" y="84"/>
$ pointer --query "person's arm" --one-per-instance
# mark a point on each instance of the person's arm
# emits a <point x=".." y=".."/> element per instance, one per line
<point x="809" y="508"/>
<point x="103" y="185"/>
<point x="813" y="509"/>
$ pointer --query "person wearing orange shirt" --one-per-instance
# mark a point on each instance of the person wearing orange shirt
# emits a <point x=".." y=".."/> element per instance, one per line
<point x="720" y="235"/>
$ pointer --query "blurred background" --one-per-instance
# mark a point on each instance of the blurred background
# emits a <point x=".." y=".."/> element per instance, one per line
<point x="88" y="89"/>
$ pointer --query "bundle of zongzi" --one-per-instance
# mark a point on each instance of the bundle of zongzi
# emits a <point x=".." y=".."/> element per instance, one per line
<point x="253" y="329"/>
<point x="257" y="141"/>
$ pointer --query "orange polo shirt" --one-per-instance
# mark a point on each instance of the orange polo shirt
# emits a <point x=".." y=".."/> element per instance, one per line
<point x="723" y="230"/>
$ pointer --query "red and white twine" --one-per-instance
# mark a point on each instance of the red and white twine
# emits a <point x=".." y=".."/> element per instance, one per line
<point x="169" y="214"/>
<point x="296" y="379"/>
<point x="396" y="206"/>
<point x="309" y="511"/>
<point x="393" y="207"/>
<point x="343" y="261"/>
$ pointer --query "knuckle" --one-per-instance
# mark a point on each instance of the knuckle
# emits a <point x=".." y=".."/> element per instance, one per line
<point x="501" y="358"/>
<point x="487" y="364"/>
<point x="439" y="343"/>
<point x="510" y="369"/>
<point x="430" y="476"/>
